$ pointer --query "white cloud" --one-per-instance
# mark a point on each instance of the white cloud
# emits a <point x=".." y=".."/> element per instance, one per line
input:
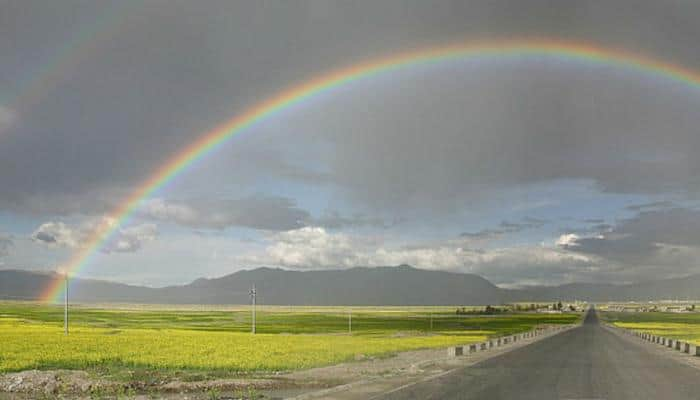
<point x="60" y="234"/>
<point x="316" y="248"/>
<point x="167" y="211"/>
<point x="56" y="234"/>
<point x="567" y="240"/>
<point x="131" y="239"/>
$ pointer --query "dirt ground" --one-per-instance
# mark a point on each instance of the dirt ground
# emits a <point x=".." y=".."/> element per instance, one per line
<point x="74" y="384"/>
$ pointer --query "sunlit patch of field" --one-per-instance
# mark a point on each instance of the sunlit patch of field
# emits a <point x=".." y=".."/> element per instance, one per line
<point x="681" y="326"/>
<point x="195" y="339"/>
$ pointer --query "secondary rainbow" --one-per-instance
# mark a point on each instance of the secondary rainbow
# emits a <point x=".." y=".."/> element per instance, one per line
<point x="560" y="49"/>
<point x="62" y="62"/>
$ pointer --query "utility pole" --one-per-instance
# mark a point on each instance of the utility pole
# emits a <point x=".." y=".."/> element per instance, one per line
<point x="350" y="321"/>
<point x="253" y="293"/>
<point x="65" y="303"/>
<point x="431" y="321"/>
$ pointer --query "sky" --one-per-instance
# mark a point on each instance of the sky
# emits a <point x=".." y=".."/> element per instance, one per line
<point x="526" y="171"/>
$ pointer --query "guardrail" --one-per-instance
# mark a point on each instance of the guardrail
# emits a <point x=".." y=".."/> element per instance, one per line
<point x="682" y="346"/>
<point x="493" y="343"/>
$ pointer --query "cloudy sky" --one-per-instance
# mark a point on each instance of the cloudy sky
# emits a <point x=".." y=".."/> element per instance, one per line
<point x="525" y="171"/>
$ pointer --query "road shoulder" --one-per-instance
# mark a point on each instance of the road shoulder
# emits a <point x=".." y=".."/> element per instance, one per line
<point x="377" y="381"/>
<point x="654" y="348"/>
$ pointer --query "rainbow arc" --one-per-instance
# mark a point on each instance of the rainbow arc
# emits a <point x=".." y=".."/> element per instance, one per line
<point x="207" y="142"/>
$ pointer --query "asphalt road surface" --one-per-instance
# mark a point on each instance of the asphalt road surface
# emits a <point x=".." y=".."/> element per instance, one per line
<point x="587" y="362"/>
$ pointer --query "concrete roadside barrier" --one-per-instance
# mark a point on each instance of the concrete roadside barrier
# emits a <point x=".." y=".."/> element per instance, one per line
<point x="685" y="347"/>
<point x="455" y="351"/>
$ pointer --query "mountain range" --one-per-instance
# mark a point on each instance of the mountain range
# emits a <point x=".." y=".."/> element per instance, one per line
<point x="401" y="285"/>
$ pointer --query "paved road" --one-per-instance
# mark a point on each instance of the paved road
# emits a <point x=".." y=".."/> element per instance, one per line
<point x="587" y="362"/>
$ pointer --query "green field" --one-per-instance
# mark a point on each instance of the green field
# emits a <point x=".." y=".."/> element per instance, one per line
<point x="681" y="326"/>
<point x="187" y="339"/>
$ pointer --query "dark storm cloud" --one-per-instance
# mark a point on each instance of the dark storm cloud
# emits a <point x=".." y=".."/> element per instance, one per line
<point x="258" y="212"/>
<point x="506" y="227"/>
<point x="594" y="229"/>
<point x="336" y="220"/>
<point x="169" y="72"/>
<point x="651" y="244"/>
<point x="44" y="237"/>
<point x="271" y="213"/>
<point x="650" y="206"/>
<point x="6" y="243"/>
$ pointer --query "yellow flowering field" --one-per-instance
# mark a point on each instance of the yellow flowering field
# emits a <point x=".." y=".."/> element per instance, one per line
<point x="27" y="346"/>
<point x="31" y="336"/>
<point x="679" y="326"/>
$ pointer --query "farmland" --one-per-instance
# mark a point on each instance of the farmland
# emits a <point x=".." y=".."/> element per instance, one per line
<point x="219" y="340"/>
<point x="682" y="326"/>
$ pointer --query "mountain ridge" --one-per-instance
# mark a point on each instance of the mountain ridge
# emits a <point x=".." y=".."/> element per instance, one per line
<point x="398" y="286"/>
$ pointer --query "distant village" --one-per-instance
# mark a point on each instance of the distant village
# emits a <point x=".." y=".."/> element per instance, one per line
<point x="543" y="308"/>
<point x="655" y="307"/>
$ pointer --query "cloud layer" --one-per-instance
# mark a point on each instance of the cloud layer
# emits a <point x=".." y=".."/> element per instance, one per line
<point x="384" y="170"/>
<point x="428" y="138"/>
<point x="649" y="245"/>
<point x="125" y="240"/>
<point x="316" y="248"/>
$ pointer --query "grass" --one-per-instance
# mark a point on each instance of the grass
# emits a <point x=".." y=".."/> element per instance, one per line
<point x="147" y="339"/>
<point x="681" y="326"/>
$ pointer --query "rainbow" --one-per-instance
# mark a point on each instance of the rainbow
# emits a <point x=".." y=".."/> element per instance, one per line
<point x="559" y="49"/>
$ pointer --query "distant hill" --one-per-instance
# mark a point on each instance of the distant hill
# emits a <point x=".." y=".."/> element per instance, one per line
<point x="676" y="288"/>
<point x="402" y="285"/>
<point x="28" y="285"/>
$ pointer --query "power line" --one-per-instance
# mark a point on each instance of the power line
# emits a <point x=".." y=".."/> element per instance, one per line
<point x="253" y="294"/>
